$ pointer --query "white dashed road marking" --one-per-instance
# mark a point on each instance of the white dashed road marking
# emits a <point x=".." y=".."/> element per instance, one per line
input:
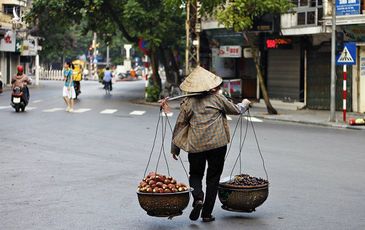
<point x="36" y="101"/>
<point x="53" y="110"/>
<point x="5" y="107"/>
<point x="254" y="119"/>
<point x="30" y="108"/>
<point x="138" y="113"/>
<point x="167" y="114"/>
<point x="81" y="110"/>
<point x="108" y="111"/>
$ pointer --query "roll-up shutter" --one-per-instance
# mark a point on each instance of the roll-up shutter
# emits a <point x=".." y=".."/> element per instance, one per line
<point x="319" y="81"/>
<point x="283" y="76"/>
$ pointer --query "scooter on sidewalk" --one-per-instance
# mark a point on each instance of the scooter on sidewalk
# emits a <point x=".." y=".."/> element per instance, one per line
<point x="19" y="99"/>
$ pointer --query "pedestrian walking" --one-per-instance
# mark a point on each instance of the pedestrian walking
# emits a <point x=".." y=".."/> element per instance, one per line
<point x="69" y="93"/>
<point x="202" y="131"/>
<point x="1" y="83"/>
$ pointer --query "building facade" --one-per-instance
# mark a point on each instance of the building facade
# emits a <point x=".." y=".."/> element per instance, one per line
<point x="11" y="30"/>
<point x="296" y="61"/>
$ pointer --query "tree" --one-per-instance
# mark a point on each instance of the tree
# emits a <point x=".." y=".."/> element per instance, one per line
<point x="60" y="35"/>
<point x="157" y="23"/>
<point x="239" y="15"/>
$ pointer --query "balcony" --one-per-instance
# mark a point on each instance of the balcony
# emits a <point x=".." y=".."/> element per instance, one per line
<point x="14" y="2"/>
<point x="305" y="18"/>
<point x="345" y="20"/>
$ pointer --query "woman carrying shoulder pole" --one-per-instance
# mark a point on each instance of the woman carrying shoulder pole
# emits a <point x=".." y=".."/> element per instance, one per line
<point x="202" y="131"/>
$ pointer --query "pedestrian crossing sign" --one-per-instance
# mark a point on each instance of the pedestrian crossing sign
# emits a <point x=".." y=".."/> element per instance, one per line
<point x="348" y="55"/>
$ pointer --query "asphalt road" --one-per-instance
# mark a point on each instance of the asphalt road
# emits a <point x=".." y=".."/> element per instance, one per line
<point x="80" y="170"/>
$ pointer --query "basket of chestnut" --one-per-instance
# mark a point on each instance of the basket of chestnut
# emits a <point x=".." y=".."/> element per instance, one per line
<point x="162" y="196"/>
<point x="243" y="193"/>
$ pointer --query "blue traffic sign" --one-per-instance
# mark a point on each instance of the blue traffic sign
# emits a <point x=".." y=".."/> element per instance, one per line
<point x="348" y="55"/>
<point x="347" y="7"/>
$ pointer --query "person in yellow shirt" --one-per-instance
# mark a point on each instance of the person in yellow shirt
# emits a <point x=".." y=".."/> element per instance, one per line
<point x="77" y="76"/>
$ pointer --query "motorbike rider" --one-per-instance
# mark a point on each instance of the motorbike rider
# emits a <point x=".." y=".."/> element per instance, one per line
<point x="107" y="79"/>
<point x="21" y="80"/>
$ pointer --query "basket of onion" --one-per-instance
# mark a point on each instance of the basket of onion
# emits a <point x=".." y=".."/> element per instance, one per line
<point x="243" y="193"/>
<point x="162" y="196"/>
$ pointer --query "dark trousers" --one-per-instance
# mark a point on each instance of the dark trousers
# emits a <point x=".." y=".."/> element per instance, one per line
<point x="197" y="161"/>
<point x="77" y="87"/>
<point x="110" y="84"/>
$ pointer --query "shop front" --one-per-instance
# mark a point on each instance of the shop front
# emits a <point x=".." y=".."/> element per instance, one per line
<point x="285" y="78"/>
<point x="227" y="59"/>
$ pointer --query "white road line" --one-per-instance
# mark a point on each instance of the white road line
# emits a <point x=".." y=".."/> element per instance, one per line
<point x="167" y="114"/>
<point x="108" y="111"/>
<point x="53" y="110"/>
<point x="138" y="113"/>
<point x="36" y="101"/>
<point x="30" y="108"/>
<point x="82" y="110"/>
<point x="254" y="119"/>
<point x="5" y="107"/>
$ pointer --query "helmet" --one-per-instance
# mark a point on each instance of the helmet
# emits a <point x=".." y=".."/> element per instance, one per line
<point x="20" y="69"/>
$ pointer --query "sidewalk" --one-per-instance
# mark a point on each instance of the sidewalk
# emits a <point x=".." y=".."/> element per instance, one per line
<point x="292" y="112"/>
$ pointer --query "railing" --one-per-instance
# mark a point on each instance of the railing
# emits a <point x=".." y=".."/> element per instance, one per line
<point x="50" y="75"/>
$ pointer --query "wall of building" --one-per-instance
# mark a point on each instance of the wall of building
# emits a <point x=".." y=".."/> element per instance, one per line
<point x="358" y="86"/>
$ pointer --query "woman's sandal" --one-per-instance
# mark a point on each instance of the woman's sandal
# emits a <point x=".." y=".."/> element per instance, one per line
<point x="195" y="213"/>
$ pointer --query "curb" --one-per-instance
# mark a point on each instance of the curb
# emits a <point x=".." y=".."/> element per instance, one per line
<point x="333" y="125"/>
<point x="322" y="124"/>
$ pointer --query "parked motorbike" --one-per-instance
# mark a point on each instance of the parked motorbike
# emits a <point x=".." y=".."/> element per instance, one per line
<point x="18" y="99"/>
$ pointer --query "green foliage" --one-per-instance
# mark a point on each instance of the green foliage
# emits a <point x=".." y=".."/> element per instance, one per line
<point x="239" y="14"/>
<point x="152" y="93"/>
<point x="152" y="20"/>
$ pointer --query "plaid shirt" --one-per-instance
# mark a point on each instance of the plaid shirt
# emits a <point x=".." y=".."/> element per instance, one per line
<point x="206" y="121"/>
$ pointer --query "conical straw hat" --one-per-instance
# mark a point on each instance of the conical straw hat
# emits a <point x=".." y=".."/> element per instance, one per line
<point x="200" y="80"/>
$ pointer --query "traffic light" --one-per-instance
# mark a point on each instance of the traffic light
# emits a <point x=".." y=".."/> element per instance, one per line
<point x="339" y="42"/>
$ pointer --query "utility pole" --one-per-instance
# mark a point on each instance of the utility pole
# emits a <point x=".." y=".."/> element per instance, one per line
<point x="333" y="65"/>
<point x="93" y="65"/>
<point x="107" y="55"/>
<point x="36" y="61"/>
<point x="193" y="28"/>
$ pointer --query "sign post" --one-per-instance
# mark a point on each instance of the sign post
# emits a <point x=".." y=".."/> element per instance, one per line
<point x="347" y="57"/>
<point x="344" y="93"/>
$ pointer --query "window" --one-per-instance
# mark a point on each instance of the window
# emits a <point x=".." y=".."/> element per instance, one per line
<point x="303" y="2"/>
<point x="8" y="9"/>
<point x="301" y="18"/>
<point x="311" y="17"/>
<point x="308" y="11"/>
